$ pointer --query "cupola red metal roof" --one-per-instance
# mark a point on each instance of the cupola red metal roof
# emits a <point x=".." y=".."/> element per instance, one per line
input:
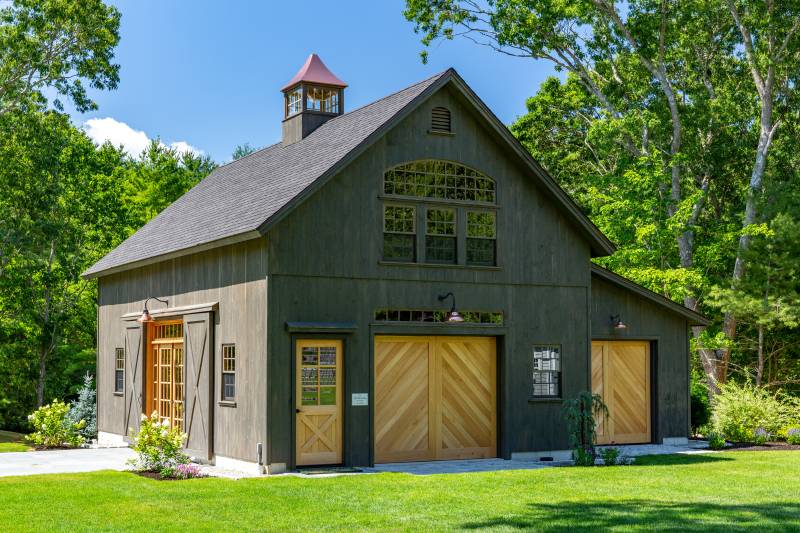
<point x="314" y="71"/>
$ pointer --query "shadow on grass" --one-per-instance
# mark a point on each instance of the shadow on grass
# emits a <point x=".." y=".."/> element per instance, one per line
<point x="648" y="515"/>
<point x="679" y="459"/>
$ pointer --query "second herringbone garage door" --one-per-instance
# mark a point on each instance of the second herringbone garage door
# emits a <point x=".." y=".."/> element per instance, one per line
<point x="435" y="398"/>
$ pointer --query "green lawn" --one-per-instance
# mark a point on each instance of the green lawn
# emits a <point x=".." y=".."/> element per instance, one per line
<point x="12" y="442"/>
<point x="722" y="492"/>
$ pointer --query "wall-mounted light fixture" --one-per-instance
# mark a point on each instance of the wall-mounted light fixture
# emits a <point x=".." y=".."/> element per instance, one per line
<point x="146" y="314"/>
<point x="452" y="315"/>
<point x="617" y="323"/>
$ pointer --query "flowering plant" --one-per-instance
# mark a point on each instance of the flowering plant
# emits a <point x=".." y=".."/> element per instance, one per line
<point x="53" y="428"/>
<point x="158" y="446"/>
<point x="793" y="436"/>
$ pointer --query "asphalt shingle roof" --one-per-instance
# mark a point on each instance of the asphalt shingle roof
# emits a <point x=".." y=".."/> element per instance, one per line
<point x="241" y="196"/>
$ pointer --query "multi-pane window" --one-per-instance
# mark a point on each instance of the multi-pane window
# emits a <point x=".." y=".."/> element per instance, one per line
<point x="440" y="180"/>
<point x="481" y="238"/>
<point x="228" y="372"/>
<point x="440" y="236"/>
<point x="322" y="99"/>
<point x="546" y="371"/>
<point x="119" y="370"/>
<point x="294" y="101"/>
<point x="399" y="235"/>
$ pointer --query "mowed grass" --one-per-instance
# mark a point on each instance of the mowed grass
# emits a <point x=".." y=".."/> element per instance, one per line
<point x="12" y="442"/>
<point x="715" y="492"/>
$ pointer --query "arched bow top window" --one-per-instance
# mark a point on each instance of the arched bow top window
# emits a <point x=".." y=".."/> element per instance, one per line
<point x="431" y="178"/>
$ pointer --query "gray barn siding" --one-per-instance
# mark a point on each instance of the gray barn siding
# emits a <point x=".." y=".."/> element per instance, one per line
<point x="234" y="276"/>
<point x="325" y="266"/>
<point x="648" y="321"/>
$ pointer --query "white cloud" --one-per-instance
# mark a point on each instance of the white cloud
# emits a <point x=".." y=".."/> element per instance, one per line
<point x="119" y="133"/>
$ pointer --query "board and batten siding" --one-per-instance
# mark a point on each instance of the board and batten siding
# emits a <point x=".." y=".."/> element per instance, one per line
<point x="325" y="266"/>
<point x="235" y="277"/>
<point x="669" y="334"/>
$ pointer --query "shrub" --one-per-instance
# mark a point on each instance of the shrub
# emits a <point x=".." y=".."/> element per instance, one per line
<point x="715" y="440"/>
<point x="741" y="409"/>
<point x="793" y="436"/>
<point x="761" y="436"/>
<point x="580" y="414"/>
<point x="611" y="456"/>
<point x="85" y="408"/>
<point x="52" y="427"/>
<point x="158" y="446"/>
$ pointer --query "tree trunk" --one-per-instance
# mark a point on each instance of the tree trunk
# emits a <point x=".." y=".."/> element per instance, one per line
<point x="760" y="369"/>
<point x="42" y="374"/>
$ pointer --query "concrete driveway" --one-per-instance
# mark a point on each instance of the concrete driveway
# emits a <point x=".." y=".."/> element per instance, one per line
<point x="63" y="461"/>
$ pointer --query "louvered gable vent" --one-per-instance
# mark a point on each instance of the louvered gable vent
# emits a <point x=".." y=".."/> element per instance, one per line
<point x="440" y="120"/>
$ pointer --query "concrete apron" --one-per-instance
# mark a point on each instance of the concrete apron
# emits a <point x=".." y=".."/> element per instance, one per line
<point x="93" y="459"/>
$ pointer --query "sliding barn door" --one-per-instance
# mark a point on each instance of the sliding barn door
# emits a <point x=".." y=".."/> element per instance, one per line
<point x="198" y="408"/>
<point x="621" y="375"/>
<point x="134" y="378"/>
<point x="435" y="398"/>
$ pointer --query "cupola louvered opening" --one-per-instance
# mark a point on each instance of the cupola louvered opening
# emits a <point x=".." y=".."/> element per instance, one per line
<point x="440" y="120"/>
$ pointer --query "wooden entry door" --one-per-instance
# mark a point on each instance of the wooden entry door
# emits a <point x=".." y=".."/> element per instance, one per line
<point x="621" y="375"/>
<point x="318" y="419"/>
<point x="435" y="398"/>
<point x="166" y="373"/>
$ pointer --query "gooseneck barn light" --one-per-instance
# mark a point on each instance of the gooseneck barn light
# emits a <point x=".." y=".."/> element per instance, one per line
<point x="452" y="315"/>
<point x="146" y="314"/>
<point x="617" y="323"/>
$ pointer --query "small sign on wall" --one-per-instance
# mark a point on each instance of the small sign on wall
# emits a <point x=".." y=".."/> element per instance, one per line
<point x="360" y="399"/>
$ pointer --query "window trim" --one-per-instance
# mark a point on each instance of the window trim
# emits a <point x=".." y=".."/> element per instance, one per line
<point x="119" y="355"/>
<point x="223" y="398"/>
<point x="559" y="373"/>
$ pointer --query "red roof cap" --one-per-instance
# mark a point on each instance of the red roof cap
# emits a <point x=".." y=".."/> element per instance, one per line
<point x="314" y="71"/>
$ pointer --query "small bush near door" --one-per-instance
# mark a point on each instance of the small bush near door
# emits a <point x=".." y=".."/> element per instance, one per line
<point x="580" y="413"/>
<point x="158" y="450"/>
<point x="52" y="428"/>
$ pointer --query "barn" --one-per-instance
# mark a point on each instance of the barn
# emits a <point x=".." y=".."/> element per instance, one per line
<point x="399" y="282"/>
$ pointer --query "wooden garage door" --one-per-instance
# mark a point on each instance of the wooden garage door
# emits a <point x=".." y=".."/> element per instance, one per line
<point x="435" y="398"/>
<point x="621" y="375"/>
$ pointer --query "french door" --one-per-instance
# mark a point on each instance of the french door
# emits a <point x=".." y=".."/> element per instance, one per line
<point x="165" y="385"/>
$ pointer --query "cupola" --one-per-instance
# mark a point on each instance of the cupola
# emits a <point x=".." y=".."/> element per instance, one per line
<point x="312" y="97"/>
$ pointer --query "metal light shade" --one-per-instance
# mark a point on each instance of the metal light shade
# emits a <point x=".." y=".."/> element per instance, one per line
<point x="454" y="316"/>
<point x="617" y="322"/>
<point x="146" y="317"/>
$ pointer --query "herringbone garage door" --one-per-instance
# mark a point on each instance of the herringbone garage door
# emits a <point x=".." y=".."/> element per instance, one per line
<point x="435" y="398"/>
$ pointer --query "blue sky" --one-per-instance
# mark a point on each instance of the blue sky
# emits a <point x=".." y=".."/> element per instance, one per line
<point x="207" y="74"/>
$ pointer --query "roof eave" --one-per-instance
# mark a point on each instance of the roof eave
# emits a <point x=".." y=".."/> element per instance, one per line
<point x="91" y="273"/>
<point x="692" y="317"/>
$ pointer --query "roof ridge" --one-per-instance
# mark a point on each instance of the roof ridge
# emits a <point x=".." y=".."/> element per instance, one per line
<point x="264" y="148"/>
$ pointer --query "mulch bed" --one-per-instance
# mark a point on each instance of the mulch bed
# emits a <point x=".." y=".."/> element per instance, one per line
<point x="157" y="476"/>
<point x="770" y="446"/>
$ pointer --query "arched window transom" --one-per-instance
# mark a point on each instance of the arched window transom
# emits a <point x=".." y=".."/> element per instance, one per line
<point x="444" y="180"/>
